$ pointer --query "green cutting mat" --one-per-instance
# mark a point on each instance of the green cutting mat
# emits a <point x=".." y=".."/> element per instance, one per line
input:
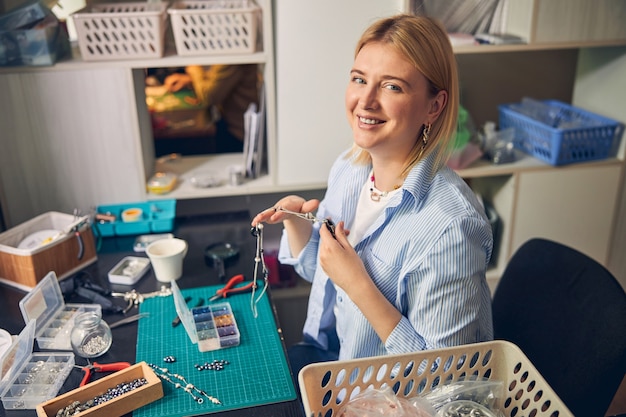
<point x="258" y="373"/>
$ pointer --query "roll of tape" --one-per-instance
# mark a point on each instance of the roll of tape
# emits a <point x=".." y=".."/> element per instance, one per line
<point x="132" y="214"/>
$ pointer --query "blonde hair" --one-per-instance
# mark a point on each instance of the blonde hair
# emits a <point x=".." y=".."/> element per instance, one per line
<point x="424" y="42"/>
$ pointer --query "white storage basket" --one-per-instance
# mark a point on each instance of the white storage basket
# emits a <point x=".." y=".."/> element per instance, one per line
<point x="215" y="27"/>
<point x="111" y="31"/>
<point x="327" y="386"/>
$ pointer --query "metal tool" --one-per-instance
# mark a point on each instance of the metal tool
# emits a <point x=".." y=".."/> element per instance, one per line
<point x="310" y="217"/>
<point x="230" y="288"/>
<point x="127" y="320"/>
<point x="101" y="367"/>
<point x="134" y="298"/>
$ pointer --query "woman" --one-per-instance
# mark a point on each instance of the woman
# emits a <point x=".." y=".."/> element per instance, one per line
<point x="409" y="274"/>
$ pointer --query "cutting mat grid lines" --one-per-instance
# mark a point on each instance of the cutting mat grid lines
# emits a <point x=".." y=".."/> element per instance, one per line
<point x="257" y="372"/>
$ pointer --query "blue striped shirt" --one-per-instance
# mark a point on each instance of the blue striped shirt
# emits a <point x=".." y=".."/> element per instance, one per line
<point x="427" y="253"/>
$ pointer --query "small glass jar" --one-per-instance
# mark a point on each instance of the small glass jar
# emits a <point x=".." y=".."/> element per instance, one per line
<point x="91" y="336"/>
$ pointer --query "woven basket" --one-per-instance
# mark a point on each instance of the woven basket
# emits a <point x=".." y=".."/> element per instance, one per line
<point x="214" y="27"/>
<point x="327" y="386"/>
<point x="111" y="31"/>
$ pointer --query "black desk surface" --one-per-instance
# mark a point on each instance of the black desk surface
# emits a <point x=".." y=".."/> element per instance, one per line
<point x="199" y="232"/>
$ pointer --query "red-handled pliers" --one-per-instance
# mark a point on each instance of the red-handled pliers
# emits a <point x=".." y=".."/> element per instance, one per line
<point x="101" y="367"/>
<point x="230" y="288"/>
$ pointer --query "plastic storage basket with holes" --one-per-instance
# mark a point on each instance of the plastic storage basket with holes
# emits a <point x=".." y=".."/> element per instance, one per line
<point x="327" y="386"/>
<point x="215" y="27"/>
<point x="566" y="135"/>
<point x="112" y="31"/>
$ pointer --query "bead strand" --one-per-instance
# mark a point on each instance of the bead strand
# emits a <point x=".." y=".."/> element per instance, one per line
<point x="166" y="375"/>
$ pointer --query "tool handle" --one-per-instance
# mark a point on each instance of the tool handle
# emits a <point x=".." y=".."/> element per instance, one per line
<point x="236" y="290"/>
<point x="231" y="283"/>
<point x="86" y="377"/>
<point x="106" y="367"/>
<point x="81" y="245"/>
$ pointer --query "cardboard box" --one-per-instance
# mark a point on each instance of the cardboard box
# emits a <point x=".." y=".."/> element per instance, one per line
<point x="24" y="261"/>
<point x="145" y="394"/>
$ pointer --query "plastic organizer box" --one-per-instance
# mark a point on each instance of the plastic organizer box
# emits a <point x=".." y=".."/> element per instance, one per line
<point x="110" y="31"/>
<point x="54" y="319"/>
<point x="210" y="327"/>
<point x="327" y="386"/>
<point x="156" y="217"/>
<point x="206" y="27"/>
<point x="590" y="137"/>
<point x="28" y="378"/>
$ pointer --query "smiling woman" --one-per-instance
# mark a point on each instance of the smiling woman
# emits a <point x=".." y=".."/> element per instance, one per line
<point x="200" y="110"/>
<point x="405" y="268"/>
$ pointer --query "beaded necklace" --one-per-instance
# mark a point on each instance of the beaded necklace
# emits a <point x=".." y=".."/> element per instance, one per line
<point x="375" y="194"/>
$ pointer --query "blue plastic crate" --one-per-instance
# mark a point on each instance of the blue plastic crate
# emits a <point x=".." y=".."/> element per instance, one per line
<point x="157" y="217"/>
<point x="595" y="137"/>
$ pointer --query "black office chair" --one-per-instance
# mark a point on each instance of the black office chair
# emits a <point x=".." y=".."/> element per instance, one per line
<point x="568" y="315"/>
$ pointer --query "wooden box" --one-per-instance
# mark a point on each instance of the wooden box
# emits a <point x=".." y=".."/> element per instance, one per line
<point x="145" y="394"/>
<point x="24" y="261"/>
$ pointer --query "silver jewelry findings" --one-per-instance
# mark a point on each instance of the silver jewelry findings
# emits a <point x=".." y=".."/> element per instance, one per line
<point x="110" y="394"/>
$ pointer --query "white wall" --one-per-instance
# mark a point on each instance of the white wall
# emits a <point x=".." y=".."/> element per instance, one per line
<point x="600" y="87"/>
<point x="315" y="43"/>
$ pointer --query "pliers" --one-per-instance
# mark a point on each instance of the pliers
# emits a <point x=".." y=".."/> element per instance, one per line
<point x="310" y="217"/>
<point x="230" y="288"/>
<point x="101" y="367"/>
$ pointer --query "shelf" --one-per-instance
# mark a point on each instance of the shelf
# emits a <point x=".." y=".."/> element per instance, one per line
<point x="217" y="166"/>
<point x="170" y="59"/>
<point x="525" y="163"/>
<point x="484" y="49"/>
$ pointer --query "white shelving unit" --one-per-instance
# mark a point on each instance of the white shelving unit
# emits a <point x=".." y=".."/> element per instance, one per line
<point x="78" y="134"/>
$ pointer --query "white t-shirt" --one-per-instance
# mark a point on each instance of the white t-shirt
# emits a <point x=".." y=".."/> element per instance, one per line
<point x="367" y="210"/>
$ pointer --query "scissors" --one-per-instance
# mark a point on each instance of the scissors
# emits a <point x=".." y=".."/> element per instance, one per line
<point x="230" y="288"/>
<point x="310" y="217"/>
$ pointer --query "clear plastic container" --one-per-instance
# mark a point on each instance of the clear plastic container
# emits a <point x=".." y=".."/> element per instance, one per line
<point x="91" y="336"/>
<point x="26" y="378"/>
<point x="54" y="318"/>
<point x="210" y="327"/>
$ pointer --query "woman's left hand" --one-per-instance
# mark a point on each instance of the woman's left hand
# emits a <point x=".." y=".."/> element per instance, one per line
<point x="339" y="259"/>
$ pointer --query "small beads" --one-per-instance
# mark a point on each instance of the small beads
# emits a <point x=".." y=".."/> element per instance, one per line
<point x="111" y="393"/>
<point x="169" y="359"/>
<point x="216" y="365"/>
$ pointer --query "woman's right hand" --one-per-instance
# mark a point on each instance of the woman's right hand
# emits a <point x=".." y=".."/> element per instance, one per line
<point x="298" y="230"/>
<point x="292" y="203"/>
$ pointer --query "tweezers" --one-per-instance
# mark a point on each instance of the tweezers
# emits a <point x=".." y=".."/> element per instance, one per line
<point x="129" y="319"/>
